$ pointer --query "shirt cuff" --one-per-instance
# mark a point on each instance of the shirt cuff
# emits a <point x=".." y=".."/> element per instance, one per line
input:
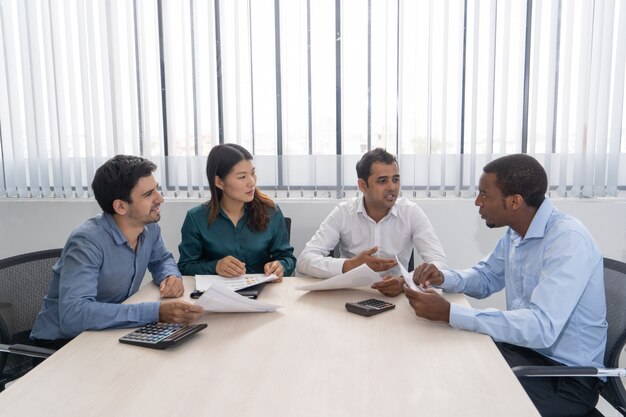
<point x="150" y="312"/>
<point x="462" y="317"/>
<point x="158" y="283"/>
<point x="336" y="267"/>
<point x="450" y="283"/>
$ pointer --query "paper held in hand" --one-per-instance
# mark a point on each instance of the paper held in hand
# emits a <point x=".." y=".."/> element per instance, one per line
<point x="237" y="283"/>
<point x="361" y="276"/>
<point x="408" y="277"/>
<point x="218" y="298"/>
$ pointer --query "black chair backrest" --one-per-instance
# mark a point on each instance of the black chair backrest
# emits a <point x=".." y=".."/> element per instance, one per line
<point x="411" y="262"/>
<point x="615" y="289"/>
<point x="288" y="224"/>
<point x="24" y="281"/>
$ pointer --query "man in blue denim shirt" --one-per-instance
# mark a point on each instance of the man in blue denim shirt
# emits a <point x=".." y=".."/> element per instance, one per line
<point x="553" y="274"/>
<point x="105" y="259"/>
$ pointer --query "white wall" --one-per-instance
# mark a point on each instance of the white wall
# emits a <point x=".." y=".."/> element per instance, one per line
<point x="28" y="225"/>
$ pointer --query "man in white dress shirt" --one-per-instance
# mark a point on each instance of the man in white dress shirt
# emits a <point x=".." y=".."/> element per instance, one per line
<point x="372" y="229"/>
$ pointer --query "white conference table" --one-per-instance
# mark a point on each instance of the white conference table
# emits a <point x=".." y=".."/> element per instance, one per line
<point x="310" y="358"/>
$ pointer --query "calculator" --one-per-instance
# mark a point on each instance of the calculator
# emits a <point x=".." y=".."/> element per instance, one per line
<point x="161" y="335"/>
<point x="369" y="307"/>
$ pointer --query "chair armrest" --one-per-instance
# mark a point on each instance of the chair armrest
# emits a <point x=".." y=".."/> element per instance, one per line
<point x="531" y="371"/>
<point x="551" y="371"/>
<point x="27" y="350"/>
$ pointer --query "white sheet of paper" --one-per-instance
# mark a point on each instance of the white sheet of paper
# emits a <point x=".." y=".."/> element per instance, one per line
<point x="248" y="280"/>
<point x="358" y="277"/>
<point x="218" y="298"/>
<point x="408" y="278"/>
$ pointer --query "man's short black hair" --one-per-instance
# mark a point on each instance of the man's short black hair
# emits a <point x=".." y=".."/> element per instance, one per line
<point x="364" y="166"/>
<point x="520" y="174"/>
<point x="117" y="177"/>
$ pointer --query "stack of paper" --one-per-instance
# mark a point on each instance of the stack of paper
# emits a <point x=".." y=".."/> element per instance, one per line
<point x="218" y="298"/>
<point x="358" y="277"/>
<point x="244" y="281"/>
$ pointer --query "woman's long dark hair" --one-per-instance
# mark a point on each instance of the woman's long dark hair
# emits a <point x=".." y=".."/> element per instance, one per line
<point x="221" y="161"/>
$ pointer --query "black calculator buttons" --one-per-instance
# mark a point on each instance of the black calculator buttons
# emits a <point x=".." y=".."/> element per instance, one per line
<point x="161" y="335"/>
<point x="369" y="307"/>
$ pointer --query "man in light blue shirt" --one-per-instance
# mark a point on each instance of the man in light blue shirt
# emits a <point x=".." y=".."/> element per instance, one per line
<point x="105" y="259"/>
<point x="553" y="274"/>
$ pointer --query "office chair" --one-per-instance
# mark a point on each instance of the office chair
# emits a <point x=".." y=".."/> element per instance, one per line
<point x="613" y="391"/>
<point x="24" y="281"/>
<point x="288" y="224"/>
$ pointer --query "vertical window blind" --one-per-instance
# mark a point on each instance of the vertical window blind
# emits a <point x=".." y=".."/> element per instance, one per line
<point x="308" y="86"/>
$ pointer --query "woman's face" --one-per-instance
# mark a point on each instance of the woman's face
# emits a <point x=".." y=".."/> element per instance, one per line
<point x="239" y="184"/>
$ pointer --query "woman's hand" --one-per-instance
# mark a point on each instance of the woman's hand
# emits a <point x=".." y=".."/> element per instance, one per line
<point x="275" y="268"/>
<point x="230" y="267"/>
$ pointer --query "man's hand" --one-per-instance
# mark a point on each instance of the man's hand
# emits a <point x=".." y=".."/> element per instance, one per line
<point x="171" y="287"/>
<point x="428" y="304"/>
<point x="377" y="264"/>
<point x="426" y="275"/>
<point x="230" y="267"/>
<point x="179" y="312"/>
<point x="390" y="286"/>
<point x="275" y="268"/>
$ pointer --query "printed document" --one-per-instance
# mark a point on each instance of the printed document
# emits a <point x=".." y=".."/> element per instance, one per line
<point x="244" y="281"/>
<point x="361" y="276"/>
<point x="218" y="298"/>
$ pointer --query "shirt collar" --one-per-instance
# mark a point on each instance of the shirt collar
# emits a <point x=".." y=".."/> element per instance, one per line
<point x="114" y="229"/>
<point x="538" y="225"/>
<point x="223" y="214"/>
<point x="361" y="209"/>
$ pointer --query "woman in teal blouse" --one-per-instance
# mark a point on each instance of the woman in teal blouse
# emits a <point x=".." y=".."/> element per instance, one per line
<point x="239" y="230"/>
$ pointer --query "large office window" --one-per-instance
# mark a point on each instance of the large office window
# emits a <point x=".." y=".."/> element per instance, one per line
<point x="308" y="86"/>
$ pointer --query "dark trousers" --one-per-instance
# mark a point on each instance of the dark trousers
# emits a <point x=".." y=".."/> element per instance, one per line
<point x="553" y="396"/>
